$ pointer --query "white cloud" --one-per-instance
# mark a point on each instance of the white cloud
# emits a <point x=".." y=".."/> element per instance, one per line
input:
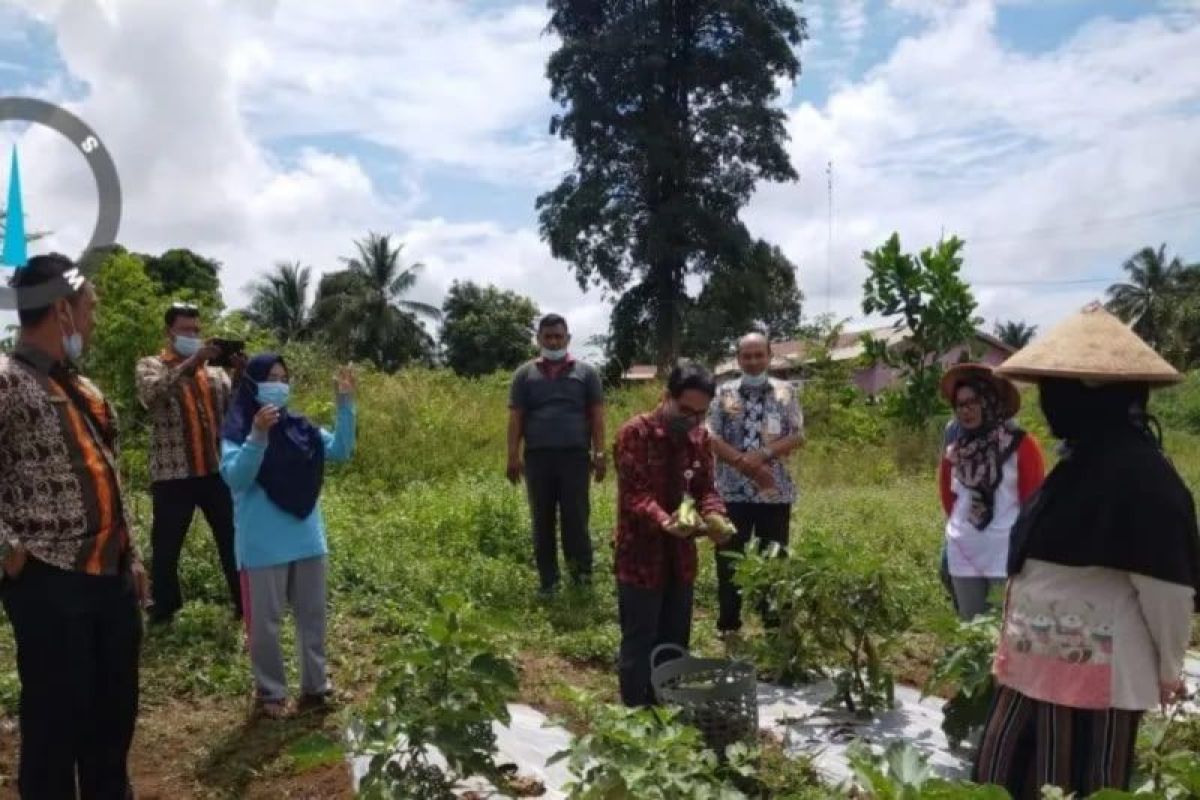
<point x="438" y="82"/>
<point x="852" y="22"/>
<point x="952" y="130"/>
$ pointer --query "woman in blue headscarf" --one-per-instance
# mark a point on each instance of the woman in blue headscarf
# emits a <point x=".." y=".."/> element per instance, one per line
<point x="274" y="462"/>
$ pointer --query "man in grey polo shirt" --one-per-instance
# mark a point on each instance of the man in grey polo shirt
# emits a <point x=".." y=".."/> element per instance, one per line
<point x="556" y="406"/>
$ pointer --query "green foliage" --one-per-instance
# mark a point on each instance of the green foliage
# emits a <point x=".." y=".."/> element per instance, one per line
<point x="937" y="310"/>
<point x="1015" y="334"/>
<point x="669" y="110"/>
<point x="647" y="754"/>
<point x="180" y="271"/>
<point x="443" y="689"/>
<point x="1169" y="755"/>
<point x="901" y="772"/>
<point x="129" y="325"/>
<point x="279" y="302"/>
<point x="361" y="312"/>
<point x="1160" y="301"/>
<point x="966" y="667"/>
<point x="486" y="329"/>
<point x="834" y="614"/>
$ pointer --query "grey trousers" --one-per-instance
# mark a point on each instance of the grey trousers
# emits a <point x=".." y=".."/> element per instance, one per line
<point x="971" y="595"/>
<point x="266" y="591"/>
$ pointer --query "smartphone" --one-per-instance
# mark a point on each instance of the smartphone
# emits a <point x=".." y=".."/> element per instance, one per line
<point x="228" y="348"/>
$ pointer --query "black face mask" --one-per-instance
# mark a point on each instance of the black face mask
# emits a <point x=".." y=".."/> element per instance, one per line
<point x="680" y="426"/>
<point x="1076" y="412"/>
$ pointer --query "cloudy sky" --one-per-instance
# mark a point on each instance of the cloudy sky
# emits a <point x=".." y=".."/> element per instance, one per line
<point x="1055" y="136"/>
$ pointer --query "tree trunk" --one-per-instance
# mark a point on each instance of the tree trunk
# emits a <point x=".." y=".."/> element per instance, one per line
<point x="669" y="264"/>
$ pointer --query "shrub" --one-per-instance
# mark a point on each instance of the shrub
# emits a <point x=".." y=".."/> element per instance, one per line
<point x="648" y="755"/>
<point x="966" y="666"/>
<point x="443" y="689"/>
<point x="833" y="613"/>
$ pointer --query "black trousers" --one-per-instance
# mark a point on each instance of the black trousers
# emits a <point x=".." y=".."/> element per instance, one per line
<point x="557" y="481"/>
<point x="769" y="522"/>
<point x="649" y="618"/>
<point x="78" y="638"/>
<point x="175" y="502"/>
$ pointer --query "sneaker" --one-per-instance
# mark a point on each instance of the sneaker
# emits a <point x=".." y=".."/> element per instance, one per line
<point x="547" y="593"/>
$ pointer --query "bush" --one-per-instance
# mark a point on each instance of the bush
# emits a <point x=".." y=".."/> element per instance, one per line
<point x="833" y="614"/>
<point x="441" y="689"/>
<point x="966" y="667"/>
<point x="647" y="754"/>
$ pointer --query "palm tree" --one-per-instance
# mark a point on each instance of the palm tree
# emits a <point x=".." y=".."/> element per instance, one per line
<point x="1015" y="333"/>
<point x="279" y="302"/>
<point x="1144" y="300"/>
<point x="386" y="325"/>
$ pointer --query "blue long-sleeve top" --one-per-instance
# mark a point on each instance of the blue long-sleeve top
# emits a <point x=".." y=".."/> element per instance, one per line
<point x="266" y="535"/>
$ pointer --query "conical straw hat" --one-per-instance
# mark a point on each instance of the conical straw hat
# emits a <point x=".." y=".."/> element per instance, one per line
<point x="1091" y="345"/>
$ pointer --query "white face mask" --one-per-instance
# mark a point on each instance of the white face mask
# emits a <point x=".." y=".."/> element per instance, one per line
<point x="73" y="344"/>
<point x="554" y="355"/>
<point x="755" y="380"/>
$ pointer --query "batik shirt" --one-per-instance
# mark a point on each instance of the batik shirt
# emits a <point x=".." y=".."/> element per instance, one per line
<point x="654" y="470"/>
<point x="187" y="408"/>
<point x="60" y="492"/>
<point x="750" y="418"/>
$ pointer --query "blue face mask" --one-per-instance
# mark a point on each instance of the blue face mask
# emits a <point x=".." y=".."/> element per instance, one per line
<point x="274" y="393"/>
<point x="187" y="346"/>
<point x="755" y="380"/>
<point x="73" y="344"/>
<point x="554" y="355"/>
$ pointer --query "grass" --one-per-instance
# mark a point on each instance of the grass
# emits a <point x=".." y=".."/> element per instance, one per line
<point x="424" y="508"/>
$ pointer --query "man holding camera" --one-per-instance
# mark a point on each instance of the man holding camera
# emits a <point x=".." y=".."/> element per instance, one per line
<point x="186" y="396"/>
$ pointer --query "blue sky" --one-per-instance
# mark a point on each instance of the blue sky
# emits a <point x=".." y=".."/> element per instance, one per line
<point x="269" y="130"/>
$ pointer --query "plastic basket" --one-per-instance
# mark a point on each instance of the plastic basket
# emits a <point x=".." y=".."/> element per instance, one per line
<point x="716" y="696"/>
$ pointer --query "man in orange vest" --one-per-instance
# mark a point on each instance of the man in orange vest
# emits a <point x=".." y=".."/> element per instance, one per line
<point x="186" y="398"/>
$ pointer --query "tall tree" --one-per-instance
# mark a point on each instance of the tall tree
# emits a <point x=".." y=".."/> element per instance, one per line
<point x="129" y="327"/>
<point x="934" y="304"/>
<point x="485" y="329"/>
<point x="668" y="106"/>
<point x="182" y="270"/>
<point x="279" y="301"/>
<point x="362" y="311"/>
<point x="1015" y="333"/>
<point x="1144" y="299"/>
<point x="758" y="293"/>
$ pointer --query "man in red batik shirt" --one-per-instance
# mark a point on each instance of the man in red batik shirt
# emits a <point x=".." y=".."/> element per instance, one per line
<point x="660" y="456"/>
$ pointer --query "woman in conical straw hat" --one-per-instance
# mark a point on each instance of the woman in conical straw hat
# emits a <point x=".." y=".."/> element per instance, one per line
<point x="1104" y="569"/>
<point x="988" y="470"/>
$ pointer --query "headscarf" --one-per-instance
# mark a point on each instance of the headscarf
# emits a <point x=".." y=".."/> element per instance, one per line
<point x="1114" y="500"/>
<point x="293" y="468"/>
<point x="979" y="455"/>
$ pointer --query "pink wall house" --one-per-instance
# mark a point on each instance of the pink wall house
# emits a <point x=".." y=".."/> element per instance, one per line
<point x="789" y="358"/>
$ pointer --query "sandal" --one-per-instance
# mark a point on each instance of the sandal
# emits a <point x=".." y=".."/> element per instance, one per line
<point x="271" y="709"/>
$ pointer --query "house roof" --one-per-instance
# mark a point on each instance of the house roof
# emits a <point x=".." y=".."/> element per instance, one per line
<point x="847" y="346"/>
<point x="640" y="372"/>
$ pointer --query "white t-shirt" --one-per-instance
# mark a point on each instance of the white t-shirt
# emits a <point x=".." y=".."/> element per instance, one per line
<point x="975" y="553"/>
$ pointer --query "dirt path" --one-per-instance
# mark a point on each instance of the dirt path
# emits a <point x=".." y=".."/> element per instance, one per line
<point x="210" y="750"/>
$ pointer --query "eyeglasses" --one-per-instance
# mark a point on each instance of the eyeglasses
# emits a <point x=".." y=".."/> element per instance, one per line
<point x="963" y="405"/>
